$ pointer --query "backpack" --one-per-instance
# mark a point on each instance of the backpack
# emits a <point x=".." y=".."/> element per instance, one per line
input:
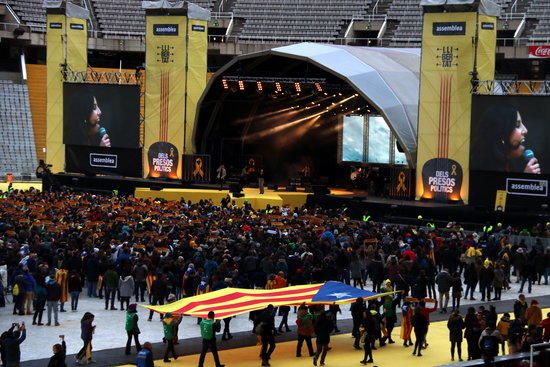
<point x="489" y="344"/>
<point x="259" y="328"/>
<point x="15" y="290"/>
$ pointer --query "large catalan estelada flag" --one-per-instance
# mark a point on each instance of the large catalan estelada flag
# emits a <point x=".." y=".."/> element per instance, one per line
<point x="235" y="301"/>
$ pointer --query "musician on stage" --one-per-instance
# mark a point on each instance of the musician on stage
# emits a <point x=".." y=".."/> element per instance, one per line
<point x="221" y="174"/>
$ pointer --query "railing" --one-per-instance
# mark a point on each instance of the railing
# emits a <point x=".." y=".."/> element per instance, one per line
<point x="381" y="42"/>
<point x="512" y="87"/>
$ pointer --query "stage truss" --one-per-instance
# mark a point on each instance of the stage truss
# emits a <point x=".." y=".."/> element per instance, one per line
<point x="511" y="87"/>
<point x="91" y="76"/>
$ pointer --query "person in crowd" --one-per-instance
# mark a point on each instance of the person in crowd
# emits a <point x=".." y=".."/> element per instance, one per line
<point x="472" y="333"/>
<point x="455" y="326"/>
<point x="159" y="292"/>
<point x="168" y="324"/>
<point x="545" y="325"/>
<point x="456" y="290"/>
<point x="533" y="315"/>
<point x="444" y="283"/>
<point x="86" y="334"/>
<point x="53" y="294"/>
<point x="406" y="320"/>
<point x="323" y="327"/>
<point x="357" y="311"/>
<point x="369" y="330"/>
<point x="266" y="326"/>
<point x="140" y="280"/>
<point x="110" y="280"/>
<point x="126" y="289"/>
<point x="145" y="356"/>
<point x="420" y="326"/>
<point x="40" y="297"/>
<point x="59" y="354"/>
<point x="209" y="328"/>
<point x="489" y="342"/>
<point x="75" y="288"/>
<point x="132" y="328"/>
<point x="520" y="307"/>
<point x="10" y="345"/>
<point x="304" y="320"/>
<point x="61" y="277"/>
<point x="498" y="282"/>
<point x="503" y="328"/>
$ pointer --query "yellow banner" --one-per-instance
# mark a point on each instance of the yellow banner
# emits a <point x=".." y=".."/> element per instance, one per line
<point x="196" y="76"/>
<point x="55" y="56"/>
<point x="448" y="59"/>
<point x="67" y="41"/>
<point x="165" y="58"/>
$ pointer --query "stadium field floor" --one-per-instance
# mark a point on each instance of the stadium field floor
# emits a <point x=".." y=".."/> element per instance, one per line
<point x="342" y="354"/>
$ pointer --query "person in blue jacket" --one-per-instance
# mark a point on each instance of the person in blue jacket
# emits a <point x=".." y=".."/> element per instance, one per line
<point x="145" y="356"/>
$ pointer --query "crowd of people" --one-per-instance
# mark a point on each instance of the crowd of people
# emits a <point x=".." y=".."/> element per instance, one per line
<point x="54" y="245"/>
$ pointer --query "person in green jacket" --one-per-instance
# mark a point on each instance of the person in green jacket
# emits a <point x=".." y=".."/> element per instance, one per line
<point x="110" y="279"/>
<point x="168" y="323"/>
<point x="209" y="327"/>
<point x="132" y="328"/>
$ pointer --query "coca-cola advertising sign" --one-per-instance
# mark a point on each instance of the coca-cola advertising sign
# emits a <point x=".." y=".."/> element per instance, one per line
<point x="539" y="51"/>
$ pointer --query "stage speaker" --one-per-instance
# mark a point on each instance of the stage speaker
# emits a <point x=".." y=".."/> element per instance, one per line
<point x="320" y="190"/>
<point x="156" y="188"/>
<point x="235" y="188"/>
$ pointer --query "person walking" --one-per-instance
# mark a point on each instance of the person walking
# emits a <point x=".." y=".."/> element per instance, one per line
<point x="357" y="311"/>
<point x="533" y="315"/>
<point x="132" y="328"/>
<point x="420" y="327"/>
<point x="520" y="307"/>
<point x="59" y="354"/>
<point x="444" y="283"/>
<point x="145" y="356"/>
<point x="323" y="327"/>
<point x="110" y="280"/>
<point x="168" y="324"/>
<point x="159" y="292"/>
<point x="53" y="294"/>
<point x="261" y="181"/>
<point x="456" y="290"/>
<point x="267" y="331"/>
<point x="75" y="288"/>
<point x="140" y="280"/>
<point x="472" y="333"/>
<point x="455" y="326"/>
<point x="126" y="287"/>
<point x="86" y="334"/>
<point x="40" y="296"/>
<point x="406" y="327"/>
<point x="209" y="327"/>
<point x="368" y="337"/>
<point x="304" y="320"/>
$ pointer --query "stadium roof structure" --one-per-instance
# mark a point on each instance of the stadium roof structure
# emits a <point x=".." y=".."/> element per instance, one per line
<point x="387" y="78"/>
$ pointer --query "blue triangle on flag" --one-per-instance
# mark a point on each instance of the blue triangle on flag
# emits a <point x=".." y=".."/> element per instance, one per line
<point x="336" y="291"/>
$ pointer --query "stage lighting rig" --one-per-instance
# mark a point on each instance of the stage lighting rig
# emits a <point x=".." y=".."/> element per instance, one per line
<point x="225" y="84"/>
<point x="241" y="85"/>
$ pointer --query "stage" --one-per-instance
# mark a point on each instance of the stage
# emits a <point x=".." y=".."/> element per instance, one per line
<point x="251" y="196"/>
<point x="356" y="202"/>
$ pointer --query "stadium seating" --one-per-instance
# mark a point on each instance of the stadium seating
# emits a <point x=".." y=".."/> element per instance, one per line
<point x="17" y="151"/>
<point x="540" y="9"/>
<point x="290" y="19"/>
<point x="30" y="12"/>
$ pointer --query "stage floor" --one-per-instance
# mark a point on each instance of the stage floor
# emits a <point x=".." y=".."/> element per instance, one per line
<point x="342" y="354"/>
<point x="251" y="195"/>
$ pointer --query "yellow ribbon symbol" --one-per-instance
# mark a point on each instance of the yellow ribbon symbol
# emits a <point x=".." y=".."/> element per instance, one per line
<point x="198" y="172"/>
<point x="453" y="170"/>
<point x="401" y="184"/>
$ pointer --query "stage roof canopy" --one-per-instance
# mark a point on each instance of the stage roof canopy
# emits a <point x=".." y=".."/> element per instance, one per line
<point x="388" y="78"/>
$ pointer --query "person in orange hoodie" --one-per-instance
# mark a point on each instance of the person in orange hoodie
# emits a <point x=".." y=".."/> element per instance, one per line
<point x="533" y="315"/>
<point x="545" y="325"/>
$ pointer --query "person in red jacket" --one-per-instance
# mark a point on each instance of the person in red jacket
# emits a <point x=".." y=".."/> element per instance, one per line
<point x="545" y="325"/>
<point x="426" y="313"/>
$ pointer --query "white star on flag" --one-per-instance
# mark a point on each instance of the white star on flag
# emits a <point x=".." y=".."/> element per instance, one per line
<point x="340" y="295"/>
